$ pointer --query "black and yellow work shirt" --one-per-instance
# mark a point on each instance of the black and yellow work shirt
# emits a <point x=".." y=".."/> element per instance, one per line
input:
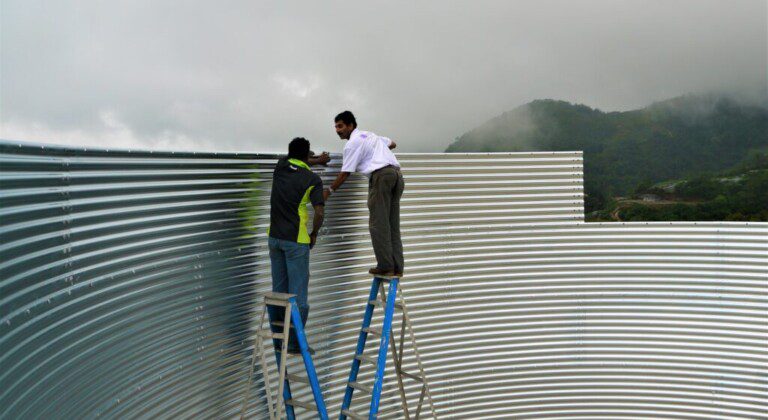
<point x="294" y="186"/>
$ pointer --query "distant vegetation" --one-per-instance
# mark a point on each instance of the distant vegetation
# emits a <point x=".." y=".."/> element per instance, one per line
<point x="688" y="158"/>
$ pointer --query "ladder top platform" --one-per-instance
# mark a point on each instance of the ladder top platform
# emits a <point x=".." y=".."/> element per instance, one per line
<point x="278" y="296"/>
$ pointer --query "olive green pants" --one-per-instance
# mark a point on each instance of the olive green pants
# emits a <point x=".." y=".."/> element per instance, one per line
<point x="384" y="191"/>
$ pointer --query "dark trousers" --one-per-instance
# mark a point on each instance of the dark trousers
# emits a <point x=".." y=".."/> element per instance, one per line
<point x="385" y="189"/>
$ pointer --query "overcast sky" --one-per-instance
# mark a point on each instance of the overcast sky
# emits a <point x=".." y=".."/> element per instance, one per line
<point x="251" y="75"/>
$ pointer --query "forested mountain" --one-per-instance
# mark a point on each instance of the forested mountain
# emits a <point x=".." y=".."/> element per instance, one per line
<point x="684" y="137"/>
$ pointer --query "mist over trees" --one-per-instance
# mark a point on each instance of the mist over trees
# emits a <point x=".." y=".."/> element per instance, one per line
<point x="688" y="139"/>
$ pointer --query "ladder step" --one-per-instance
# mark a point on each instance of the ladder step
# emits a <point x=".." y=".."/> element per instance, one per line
<point x="360" y="387"/>
<point x="270" y="334"/>
<point x="412" y="376"/>
<point x="297" y="378"/>
<point x="398" y="305"/>
<point x="277" y="299"/>
<point x="354" y="416"/>
<point x="368" y="359"/>
<point x="302" y="404"/>
<point x="278" y="296"/>
<point x="281" y="324"/>
<point x="373" y="330"/>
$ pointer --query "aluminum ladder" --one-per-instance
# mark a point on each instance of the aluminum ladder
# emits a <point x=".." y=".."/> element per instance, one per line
<point x="288" y="302"/>
<point x="390" y="302"/>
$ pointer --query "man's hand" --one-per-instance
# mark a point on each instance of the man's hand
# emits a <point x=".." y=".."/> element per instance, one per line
<point x="336" y="184"/>
<point x="312" y="239"/>
<point x="317" y="223"/>
<point x="321" y="159"/>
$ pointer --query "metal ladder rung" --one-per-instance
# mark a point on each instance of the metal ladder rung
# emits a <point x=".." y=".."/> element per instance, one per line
<point x="270" y="302"/>
<point x="302" y="404"/>
<point x="354" y="416"/>
<point x="398" y="305"/>
<point x="297" y="378"/>
<point x="270" y="334"/>
<point x="360" y="387"/>
<point x="373" y="330"/>
<point x="278" y="296"/>
<point x="277" y="299"/>
<point x="281" y="324"/>
<point x="368" y="359"/>
<point x="412" y="376"/>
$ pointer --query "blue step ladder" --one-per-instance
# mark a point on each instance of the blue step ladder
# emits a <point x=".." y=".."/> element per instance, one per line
<point x="284" y="396"/>
<point x="389" y="301"/>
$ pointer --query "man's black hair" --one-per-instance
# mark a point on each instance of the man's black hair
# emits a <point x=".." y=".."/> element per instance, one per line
<point x="298" y="149"/>
<point x="347" y="118"/>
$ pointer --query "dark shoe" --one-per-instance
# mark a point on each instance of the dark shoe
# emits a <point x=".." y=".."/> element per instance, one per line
<point x="381" y="273"/>
<point x="296" y="350"/>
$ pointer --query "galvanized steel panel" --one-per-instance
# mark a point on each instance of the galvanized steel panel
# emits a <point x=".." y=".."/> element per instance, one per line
<point x="128" y="283"/>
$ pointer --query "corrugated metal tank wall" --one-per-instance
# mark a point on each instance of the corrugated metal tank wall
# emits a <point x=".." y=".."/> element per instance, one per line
<point x="128" y="283"/>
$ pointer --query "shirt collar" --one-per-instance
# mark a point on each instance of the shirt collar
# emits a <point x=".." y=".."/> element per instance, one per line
<point x="355" y="132"/>
<point x="298" y="163"/>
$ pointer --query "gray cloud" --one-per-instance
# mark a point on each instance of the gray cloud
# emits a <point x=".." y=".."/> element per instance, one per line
<point x="250" y="75"/>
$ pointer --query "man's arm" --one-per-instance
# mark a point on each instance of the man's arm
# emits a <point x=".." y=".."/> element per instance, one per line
<point x="336" y="184"/>
<point x="321" y="159"/>
<point x="317" y="223"/>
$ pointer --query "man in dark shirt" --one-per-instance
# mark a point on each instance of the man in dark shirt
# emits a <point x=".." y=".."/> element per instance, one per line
<point x="294" y="186"/>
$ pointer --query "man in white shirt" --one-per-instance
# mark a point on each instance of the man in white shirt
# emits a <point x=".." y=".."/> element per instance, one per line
<point x="371" y="155"/>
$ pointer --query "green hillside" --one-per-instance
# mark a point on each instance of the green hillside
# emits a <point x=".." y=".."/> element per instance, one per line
<point x="675" y="139"/>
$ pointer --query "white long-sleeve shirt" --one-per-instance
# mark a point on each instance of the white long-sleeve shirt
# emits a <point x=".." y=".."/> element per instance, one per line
<point x="366" y="152"/>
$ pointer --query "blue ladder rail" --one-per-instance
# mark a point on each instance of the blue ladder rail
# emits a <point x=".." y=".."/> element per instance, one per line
<point x="382" y="354"/>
